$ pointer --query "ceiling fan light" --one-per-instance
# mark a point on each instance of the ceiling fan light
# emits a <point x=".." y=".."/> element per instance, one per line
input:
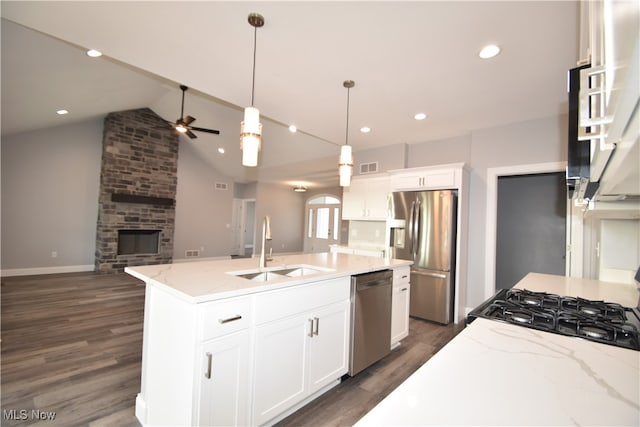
<point x="181" y="129"/>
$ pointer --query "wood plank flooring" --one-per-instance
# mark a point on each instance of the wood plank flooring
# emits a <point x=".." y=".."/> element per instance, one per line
<point x="72" y="344"/>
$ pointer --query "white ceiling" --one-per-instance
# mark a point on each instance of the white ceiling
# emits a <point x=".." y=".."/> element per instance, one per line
<point x="405" y="57"/>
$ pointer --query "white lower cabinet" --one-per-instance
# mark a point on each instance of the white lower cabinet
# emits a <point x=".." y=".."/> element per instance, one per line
<point x="400" y="305"/>
<point x="297" y="356"/>
<point x="224" y="390"/>
<point x="241" y="361"/>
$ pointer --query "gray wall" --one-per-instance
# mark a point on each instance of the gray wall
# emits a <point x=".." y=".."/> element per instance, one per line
<point x="286" y="209"/>
<point x="203" y="213"/>
<point x="50" y="181"/>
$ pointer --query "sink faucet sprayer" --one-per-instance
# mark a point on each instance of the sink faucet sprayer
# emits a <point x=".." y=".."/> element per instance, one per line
<point x="266" y="235"/>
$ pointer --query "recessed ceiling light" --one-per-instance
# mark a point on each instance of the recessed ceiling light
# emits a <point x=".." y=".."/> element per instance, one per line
<point x="221" y="150"/>
<point x="293" y="129"/>
<point x="489" y="51"/>
<point x="62" y="112"/>
<point x="420" y="116"/>
<point x="365" y="129"/>
<point x="94" y="53"/>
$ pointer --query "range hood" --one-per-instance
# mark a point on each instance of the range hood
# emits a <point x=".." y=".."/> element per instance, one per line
<point x="604" y="150"/>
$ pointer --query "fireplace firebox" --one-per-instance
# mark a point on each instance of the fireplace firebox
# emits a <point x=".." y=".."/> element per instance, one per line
<point x="132" y="242"/>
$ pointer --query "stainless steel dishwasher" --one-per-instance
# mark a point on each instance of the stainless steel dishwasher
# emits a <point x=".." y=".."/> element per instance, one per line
<point x="370" y="319"/>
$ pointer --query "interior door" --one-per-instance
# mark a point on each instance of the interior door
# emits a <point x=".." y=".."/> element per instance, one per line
<point x="531" y="226"/>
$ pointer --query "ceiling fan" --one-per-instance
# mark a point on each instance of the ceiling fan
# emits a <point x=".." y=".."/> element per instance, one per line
<point x="183" y="124"/>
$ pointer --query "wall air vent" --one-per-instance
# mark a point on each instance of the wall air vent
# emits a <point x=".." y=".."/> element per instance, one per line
<point x="368" y="168"/>
<point x="222" y="186"/>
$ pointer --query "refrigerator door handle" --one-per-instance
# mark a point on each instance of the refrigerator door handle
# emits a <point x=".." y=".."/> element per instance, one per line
<point x="411" y="230"/>
<point x="426" y="273"/>
<point x="415" y="214"/>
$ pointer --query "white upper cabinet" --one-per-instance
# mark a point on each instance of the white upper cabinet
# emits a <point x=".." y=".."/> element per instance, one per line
<point x="366" y="199"/>
<point x="427" y="178"/>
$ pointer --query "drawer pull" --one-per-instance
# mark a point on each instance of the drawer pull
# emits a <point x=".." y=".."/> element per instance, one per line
<point x="405" y="276"/>
<point x="403" y="289"/>
<point x="311" y="328"/>
<point x="230" y="319"/>
<point x="207" y="373"/>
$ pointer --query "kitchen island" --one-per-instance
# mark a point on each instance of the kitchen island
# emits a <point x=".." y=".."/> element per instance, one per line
<point x="495" y="373"/>
<point x="228" y="343"/>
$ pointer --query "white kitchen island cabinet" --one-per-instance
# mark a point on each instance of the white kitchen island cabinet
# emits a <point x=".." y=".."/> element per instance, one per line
<point x="300" y="354"/>
<point x="223" y="398"/>
<point x="219" y="349"/>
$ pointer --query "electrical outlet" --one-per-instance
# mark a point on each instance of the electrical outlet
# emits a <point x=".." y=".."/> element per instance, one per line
<point x="54" y="254"/>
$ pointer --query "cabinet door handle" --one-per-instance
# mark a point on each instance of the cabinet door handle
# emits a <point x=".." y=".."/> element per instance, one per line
<point x="315" y="332"/>
<point x="311" y="328"/>
<point x="405" y="276"/>
<point x="403" y="289"/>
<point x="207" y="373"/>
<point x="230" y="319"/>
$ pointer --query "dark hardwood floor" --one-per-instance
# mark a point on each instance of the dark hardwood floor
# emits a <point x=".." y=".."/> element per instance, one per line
<point x="72" y="343"/>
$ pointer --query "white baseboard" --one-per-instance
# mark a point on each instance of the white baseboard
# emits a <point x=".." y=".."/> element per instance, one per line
<point x="46" y="270"/>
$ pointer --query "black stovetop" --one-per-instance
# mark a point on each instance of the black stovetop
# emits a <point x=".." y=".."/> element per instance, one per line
<point x="600" y="321"/>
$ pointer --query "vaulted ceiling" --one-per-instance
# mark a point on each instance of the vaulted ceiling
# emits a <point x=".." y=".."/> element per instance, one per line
<point x="405" y="57"/>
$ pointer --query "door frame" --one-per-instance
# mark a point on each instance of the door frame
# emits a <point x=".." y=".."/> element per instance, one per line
<point x="491" y="225"/>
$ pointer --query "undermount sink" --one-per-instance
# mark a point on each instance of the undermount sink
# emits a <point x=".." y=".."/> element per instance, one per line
<point x="260" y="276"/>
<point x="299" y="271"/>
<point x="280" y="273"/>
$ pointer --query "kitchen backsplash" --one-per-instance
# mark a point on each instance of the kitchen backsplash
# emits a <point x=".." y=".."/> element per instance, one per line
<point x="367" y="234"/>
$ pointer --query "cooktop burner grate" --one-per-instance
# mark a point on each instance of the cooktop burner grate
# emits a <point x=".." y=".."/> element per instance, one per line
<point x="599" y="321"/>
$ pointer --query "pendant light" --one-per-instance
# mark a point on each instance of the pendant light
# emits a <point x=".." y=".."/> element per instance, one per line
<point x="345" y="164"/>
<point x="251" y="128"/>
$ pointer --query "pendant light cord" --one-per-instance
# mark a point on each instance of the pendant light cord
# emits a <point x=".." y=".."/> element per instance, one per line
<point x="346" y="137"/>
<point x="253" y="78"/>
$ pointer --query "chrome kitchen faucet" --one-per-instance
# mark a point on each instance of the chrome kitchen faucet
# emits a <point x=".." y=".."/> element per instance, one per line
<point x="266" y="235"/>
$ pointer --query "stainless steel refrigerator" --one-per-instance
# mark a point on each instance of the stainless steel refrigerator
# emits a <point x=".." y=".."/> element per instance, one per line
<point x="424" y="230"/>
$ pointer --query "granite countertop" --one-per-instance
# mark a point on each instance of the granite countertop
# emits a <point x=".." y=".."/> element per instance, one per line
<point x="495" y="373"/>
<point x="202" y="281"/>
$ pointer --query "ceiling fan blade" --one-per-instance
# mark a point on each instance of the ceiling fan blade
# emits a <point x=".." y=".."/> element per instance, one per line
<point x="188" y="119"/>
<point x="191" y="134"/>
<point x="214" y="131"/>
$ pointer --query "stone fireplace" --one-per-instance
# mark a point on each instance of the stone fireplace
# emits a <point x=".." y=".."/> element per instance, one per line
<point x="136" y="207"/>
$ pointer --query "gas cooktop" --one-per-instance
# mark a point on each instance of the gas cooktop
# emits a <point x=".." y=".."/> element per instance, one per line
<point x="600" y="321"/>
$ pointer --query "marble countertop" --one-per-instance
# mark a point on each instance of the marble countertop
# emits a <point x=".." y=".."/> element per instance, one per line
<point x="494" y="373"/>
<point x="202" y="281"/>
